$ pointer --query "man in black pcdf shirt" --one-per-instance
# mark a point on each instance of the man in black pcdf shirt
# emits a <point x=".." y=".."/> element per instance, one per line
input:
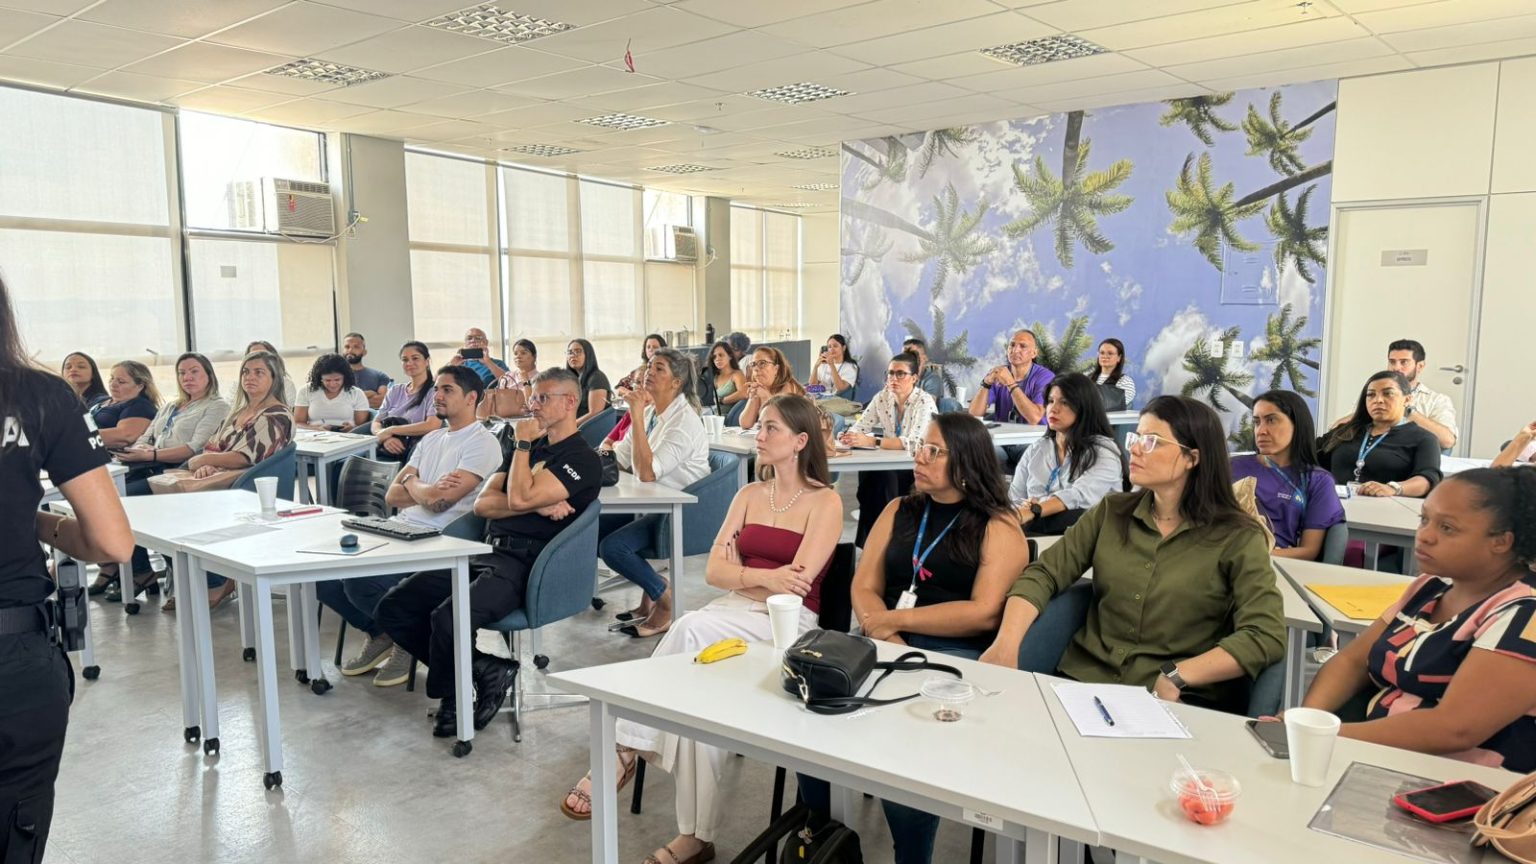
<point x="43" y="427"/>
<point x="550" y="476"/>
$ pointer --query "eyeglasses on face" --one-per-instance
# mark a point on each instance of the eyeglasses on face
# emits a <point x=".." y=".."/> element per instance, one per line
<point x="541" y="398"/>
<point x="764" y="364"/>
<point x="897" y="373"/>
<point x="1146" y="443"/>
<point x="929" y="452"/>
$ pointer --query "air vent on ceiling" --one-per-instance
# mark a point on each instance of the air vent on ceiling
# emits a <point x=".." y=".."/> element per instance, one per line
<point x="816" y="187"/>
<point x="1047" y="49"/>
<point x="623" y="121"/>
<point x="681" y="168"/>
<point x="487" y="21"/>
<point x="797" y="94"/>
<point x="326" y="72"/>
<point x="808" y="153"/>
<point x="540" y="150"/>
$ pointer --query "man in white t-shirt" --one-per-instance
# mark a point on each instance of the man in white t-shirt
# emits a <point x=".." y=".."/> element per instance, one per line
<point x="436" y="487"/>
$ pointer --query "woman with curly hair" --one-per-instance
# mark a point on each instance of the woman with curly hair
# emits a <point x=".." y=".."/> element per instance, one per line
<point x="332" y="400"/>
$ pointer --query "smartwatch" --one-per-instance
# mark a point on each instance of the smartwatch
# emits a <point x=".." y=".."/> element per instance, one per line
<point x="524" y="446"/>
<point x="1170" y="671"/>
<point x="1396" y="487"/>
<point x="1034" y="509"/>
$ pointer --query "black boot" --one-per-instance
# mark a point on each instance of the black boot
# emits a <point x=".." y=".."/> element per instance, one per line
<point x="493" y="678"/>
<point x="446" y="725"/>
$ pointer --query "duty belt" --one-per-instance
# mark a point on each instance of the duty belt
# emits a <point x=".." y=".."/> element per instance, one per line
<point x="27" y="619"/>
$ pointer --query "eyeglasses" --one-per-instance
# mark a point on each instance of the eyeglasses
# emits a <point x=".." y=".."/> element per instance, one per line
<point x="1148" y="442"/>
<point x="767" y="364"/>
<point x="928" y="452"/>
<point x="897" y="373"/>
<point x="541" y="398"/>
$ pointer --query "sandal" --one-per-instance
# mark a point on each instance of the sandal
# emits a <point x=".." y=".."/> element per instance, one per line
<point x="145" y="582"/>
<point x="101" y="584"/>
<point x="705" y="853"/>
<point x="222" y="594"/>
<point x="584" y="797"/>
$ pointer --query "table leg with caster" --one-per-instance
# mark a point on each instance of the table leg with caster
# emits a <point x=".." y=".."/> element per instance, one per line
<point x="296" y="657"/>
<point x="309" y="612"/>
<point x="266" y="687"/>
<point x="194" y="602"/>
<point x="187" y="653"/>
<point x="463" y="641"/>
<point x="247" y="625"/>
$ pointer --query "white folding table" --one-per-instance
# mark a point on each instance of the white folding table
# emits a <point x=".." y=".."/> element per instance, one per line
<point x="1303" y="573"/>
<point x="317" y="451"/>
<point x="635" y="496"/>
<point x="1377" y="521"/>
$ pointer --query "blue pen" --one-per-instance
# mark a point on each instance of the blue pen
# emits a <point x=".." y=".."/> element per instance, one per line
<point x="1103" y="712"/>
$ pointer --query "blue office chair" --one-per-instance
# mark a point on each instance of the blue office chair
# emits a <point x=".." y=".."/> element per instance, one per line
<point x="559" y="587"/>
<point x="283" y="464"/>
<point x="598" y="426"/>
<point x="949" y="405"/>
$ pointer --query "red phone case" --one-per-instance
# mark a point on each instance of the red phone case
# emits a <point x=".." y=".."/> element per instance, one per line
<point x="1464" y="813"/>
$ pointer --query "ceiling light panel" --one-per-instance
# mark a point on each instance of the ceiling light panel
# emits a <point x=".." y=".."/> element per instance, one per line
<point x="681" y="168"/>
<point x="623" y="121"/>
<point x="1048" y="49"/>
<point x="489" y="22"/>
<point x="326" y="72"/>
<point x="808" y="153"/>
<point x="816" y="187"/>
<point x="541" y="150"/>
<point x="797" y="94"/>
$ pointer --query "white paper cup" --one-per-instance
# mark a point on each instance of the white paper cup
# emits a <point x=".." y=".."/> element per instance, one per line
<point x="784" y="618"/>
<point x="960" y="395"/>
<point x="1310" y="733"/>
<point x="714" y="425"/>
<point x="266" y="490"/>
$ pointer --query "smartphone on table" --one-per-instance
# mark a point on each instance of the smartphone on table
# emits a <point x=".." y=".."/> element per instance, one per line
<point x="1271" y="735"/>
<point x="1447" y="802"/>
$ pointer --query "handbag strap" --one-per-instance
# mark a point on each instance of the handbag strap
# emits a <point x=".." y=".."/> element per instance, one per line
<point x="1505" y="805"/>
<point x="912" y="661"/>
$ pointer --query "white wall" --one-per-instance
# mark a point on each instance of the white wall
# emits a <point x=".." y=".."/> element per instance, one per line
<point x="373" y="265"/>
<point x="820" y="251"/>
<point x="1464" y="132"/>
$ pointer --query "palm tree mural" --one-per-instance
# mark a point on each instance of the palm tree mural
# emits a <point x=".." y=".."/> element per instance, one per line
<point x="1241" y="439"/>
<point x="1213" y="376"/>
<point x="954" y="243"/>
<point x="1200" y="206"/>
<point x="1064" y="353"/>
<point x="1274" y="138"/>
<point x="869" y="246"/>
<point x="1199" y="114"/>
<point x="941" y="142"/>
<point x="1285" y="347"/>
<point x="1294" y="240"/>
<point x="892" y="167"/>
<point x="1074" y="200"/>
<point x="949" y="354"/>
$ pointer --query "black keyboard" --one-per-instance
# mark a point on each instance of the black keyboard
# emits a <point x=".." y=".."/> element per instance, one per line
<point x="399" y="529"/>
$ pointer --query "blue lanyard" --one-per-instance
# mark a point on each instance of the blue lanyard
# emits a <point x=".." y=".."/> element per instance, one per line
<point x="918" y="571"/>
<point x="1366" y="446"/>
<point x="1051" y="483"/>
<point x="1299" y="492"/>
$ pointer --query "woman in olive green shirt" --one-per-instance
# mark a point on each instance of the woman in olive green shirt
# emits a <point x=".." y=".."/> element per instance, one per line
<point x="1184" y="591"/>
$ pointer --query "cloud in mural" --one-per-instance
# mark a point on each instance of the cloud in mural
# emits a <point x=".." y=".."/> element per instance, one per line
<point x="1162" y="364"/>
<point x="866" y="313"/>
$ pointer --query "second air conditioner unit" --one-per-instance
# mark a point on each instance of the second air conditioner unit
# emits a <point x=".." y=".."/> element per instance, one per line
<point x="272" y="205"/>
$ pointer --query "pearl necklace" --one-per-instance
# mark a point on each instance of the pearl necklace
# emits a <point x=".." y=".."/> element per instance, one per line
<point x="773" y="489"/>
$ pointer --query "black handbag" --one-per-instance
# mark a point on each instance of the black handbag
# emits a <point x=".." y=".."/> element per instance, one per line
<point x="610" y="464"/>
<point x="809" y="838"/>
<point x="826" y="669"/>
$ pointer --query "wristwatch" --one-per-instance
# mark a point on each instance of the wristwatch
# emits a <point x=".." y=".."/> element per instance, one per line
<point x="1170" y="671"/>
<point x="1396" y="487"/>
<point x="1034" y="509"/>
<point x="524" y="446"/>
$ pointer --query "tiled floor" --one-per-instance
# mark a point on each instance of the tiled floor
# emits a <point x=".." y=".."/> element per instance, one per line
<point x="364" y="779"/>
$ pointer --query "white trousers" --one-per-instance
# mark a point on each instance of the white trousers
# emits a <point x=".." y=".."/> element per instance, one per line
<point x="695" y="767"/>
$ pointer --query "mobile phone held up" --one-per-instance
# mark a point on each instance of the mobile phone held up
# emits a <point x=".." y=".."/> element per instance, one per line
<point x="1271" y="737"/>
<point x="472" y="353"/>
<point x="1447" y="802"/>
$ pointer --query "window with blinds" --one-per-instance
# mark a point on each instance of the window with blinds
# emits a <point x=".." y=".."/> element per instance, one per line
<point x="455" y="281"/>
<point x="765" y="273"/>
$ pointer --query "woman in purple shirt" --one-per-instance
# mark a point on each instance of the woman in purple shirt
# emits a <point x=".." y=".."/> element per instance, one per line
<point x="1297" y="495"/>
<point x="407" y="412"/>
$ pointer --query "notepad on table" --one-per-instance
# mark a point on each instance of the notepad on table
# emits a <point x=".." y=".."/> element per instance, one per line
<point x="1364" y="602"/>
<point x="1135" y="711"/>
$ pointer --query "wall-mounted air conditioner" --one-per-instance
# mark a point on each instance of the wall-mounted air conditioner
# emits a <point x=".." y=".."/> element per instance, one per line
<point x="272" y="205"/>
<point x="674" y="243"/>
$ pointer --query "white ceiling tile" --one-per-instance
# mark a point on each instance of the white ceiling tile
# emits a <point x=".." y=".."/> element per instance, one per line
<point x="139" y="88"/>
<point x="1219" y="22"/>
<point x="869" y="80"/>
<point x="513" y="63"/>
<point x="1289" y="58"/>
<point x="1082" y="87"/>
<point x="785" y="70"/>
<point x="1078" y="15"/>
<point x="1350" y="69"/>
<point x="454" y="130"/>
<point x="877" y="19"/>
<point x="540" y="115"/>
<point x="771" y="115"/>
<point x="1457" y="35"/>
<point x="651" y="30"/>
<point x="750" y="14"/>
<point x="1315" y="32"/>
<point x="1475" y="53"/>
<point x="282" y="84"/>
<point x="310" y="112"/>
<point x="403" y="10"/>
<point x="385" y="122"/>
<point x="19" y="25"/>
<point x="581" y="13"/>
<point x="974" y="103"/>
<point x="53" y="8"/>
<point x="470" y="104"/>
<point x="73" y="41"/>
<point x="304" y="29"/>
<point x="707" y="110"/>
<point x="1443" y="14"/>
<point x="1182" y="90"/>
<point x="44" y="72"/>
<point x="393" y="92"/>
<point x="1354" y="6"/>
<point x="578" y="82"/>
<point x="205" y="61"/>
<point x="969" y="35"/>
<point x="227" y="100"/>
<point x="1010" y="77"/>
<point x="409" y="49"/>
<point x="712" y="55"/>
<point x="916" y="94"/>
<point x="641" y="99"/>
<point x="951" y="66"/>
<point x="189" y="18"/>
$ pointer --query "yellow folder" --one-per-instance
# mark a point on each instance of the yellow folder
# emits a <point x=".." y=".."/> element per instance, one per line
<point x="1365" y="602"/>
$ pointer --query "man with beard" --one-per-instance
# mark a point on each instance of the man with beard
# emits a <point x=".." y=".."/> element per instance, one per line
<point x="372" y="382"/>
<point x="437" y="486"/>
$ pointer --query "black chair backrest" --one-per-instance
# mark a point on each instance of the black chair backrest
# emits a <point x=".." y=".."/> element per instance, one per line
<point x="837" y="591"/>
<point x="1034" y="549"/>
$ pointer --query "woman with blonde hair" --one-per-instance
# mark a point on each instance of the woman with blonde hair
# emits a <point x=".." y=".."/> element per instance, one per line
<point x="133" y="401"/>
<point x="768" y="375"/>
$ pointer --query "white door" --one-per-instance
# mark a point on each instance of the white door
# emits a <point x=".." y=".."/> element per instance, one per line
<point x="1403" y="272"/>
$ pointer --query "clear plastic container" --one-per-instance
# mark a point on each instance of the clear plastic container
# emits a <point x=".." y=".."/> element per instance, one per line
<point x="1208" y="804"/>
<point x="947" y="697"/>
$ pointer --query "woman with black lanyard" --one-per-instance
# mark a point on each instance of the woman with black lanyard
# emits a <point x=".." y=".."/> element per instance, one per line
<point x="45" y="428"/>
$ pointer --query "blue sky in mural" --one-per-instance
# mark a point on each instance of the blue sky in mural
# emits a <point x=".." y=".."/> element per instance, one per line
<point x="1125" y="249"/>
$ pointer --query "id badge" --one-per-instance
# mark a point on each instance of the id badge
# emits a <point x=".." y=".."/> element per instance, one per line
<point x="907" y="600"/>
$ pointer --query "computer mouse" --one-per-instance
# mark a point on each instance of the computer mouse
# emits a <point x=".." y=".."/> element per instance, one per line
<point x="349" y="541"/>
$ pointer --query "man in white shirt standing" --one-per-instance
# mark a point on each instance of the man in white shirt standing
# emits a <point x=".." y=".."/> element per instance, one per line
<point x="1431" y="410"/>
<point x="437" y="486"/>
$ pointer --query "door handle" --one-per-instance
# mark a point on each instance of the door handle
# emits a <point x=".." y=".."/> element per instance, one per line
<point x="1458" y="369"/>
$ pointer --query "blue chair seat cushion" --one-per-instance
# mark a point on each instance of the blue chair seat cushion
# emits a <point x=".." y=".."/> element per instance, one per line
<point x="515" y="620"/>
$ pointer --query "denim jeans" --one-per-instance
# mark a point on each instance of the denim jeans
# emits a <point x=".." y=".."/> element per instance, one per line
<point x="355" y="600"/>
<point x="621" y="539"/>
<point x="912" y="830"/>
